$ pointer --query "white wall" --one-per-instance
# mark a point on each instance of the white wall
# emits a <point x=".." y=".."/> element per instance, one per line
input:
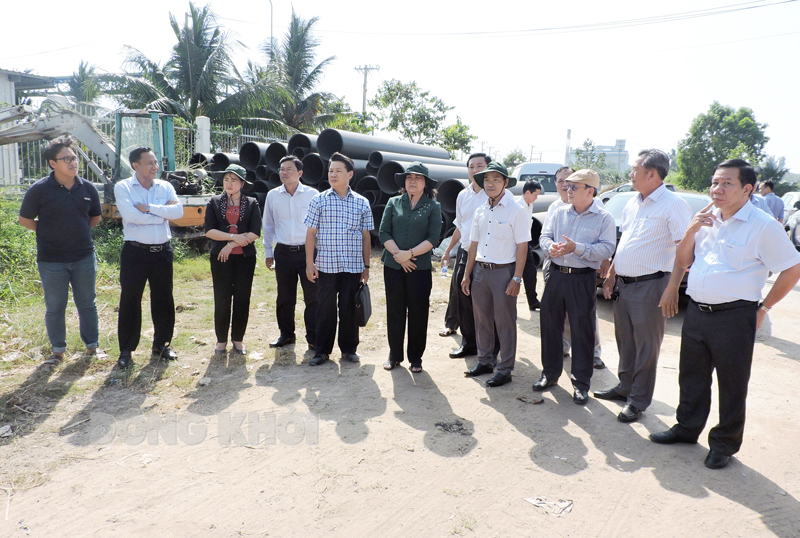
<point x="9" y="154"/>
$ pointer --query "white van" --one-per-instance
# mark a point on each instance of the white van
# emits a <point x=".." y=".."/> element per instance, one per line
<point x="544" y="173"/>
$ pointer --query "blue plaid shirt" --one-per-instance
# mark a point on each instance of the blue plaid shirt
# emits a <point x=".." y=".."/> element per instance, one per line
<point x="339" y="223"/>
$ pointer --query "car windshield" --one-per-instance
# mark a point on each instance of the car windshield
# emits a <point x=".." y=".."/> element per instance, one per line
<point x="548" y="182"/>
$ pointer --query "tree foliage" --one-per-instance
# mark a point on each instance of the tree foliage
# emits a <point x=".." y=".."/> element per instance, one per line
<point x="587" y="156"/>
<point x="722" y="133"/>
<point x="85" y="85"/>
<point x="419" y="117"/>
<point x="774" y="169"/>
<point x="514" y="158"/>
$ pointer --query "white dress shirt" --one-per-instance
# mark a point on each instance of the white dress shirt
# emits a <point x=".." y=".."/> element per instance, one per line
<point x="593" y="231"/>
<point x="467" y="202"/>
<point x="498" y="230"/>
<point x="732" y="259"/>
<point x="283" y="217"/>
<point x="650" y="229"/>
<point x="151" y="228"/>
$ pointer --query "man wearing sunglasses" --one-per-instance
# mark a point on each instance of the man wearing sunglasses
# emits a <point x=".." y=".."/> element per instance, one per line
<point x="62" y="209"/>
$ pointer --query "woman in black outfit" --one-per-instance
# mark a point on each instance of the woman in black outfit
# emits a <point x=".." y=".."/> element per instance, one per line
<point x="233" y="222"/>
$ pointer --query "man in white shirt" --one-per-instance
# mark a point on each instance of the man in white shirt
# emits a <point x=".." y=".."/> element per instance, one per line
<point x="775" y="204"/>
<point x="578" y="236"/>
<point x="146" y="205"/>
<point x="732" y="248"/>
<point x="284" y="212"/>
<point x="530" y="192"/>
<point x="652" y="224"/>
<point x="498" y="248"/>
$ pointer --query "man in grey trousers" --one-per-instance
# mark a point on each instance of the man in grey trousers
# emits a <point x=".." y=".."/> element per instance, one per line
<point x="652" y="224"/>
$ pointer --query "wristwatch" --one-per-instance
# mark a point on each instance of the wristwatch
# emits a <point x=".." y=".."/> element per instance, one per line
<point x="766" y="309"/>
<point x="517" y="279"/>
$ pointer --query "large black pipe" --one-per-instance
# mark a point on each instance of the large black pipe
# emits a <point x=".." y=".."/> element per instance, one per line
<point x="260" y="186"/>
<point x="302" y="140"/>
<point x="224" y="160"/>
<point x="435" y="171"/>
<point x="448" y="192"/>
<point x="275" y="152"/>
<point x="300" y="152"/>
<point x="377" y="215"/>
<point x="251" y="176"/>
<point x="203" y="160"/>
<point x="262" y="172"/>
<point x="274" y="180"/>
<point x="323" y="186"/>
<point x="369" y="189"/>
<point x="314" y="169"/>
<point x="359" y="146"/>
<point x="252" y="154"/>
<point x="377" y="158"/>
<point x="371" y="170"/>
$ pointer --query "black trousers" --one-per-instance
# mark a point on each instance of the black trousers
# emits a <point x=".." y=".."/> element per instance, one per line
<point x="572" y="294"/>
<point x="451" y="316"/>
<point x="529" y="279"/>
<point x="466" y="315"/>
<point x="138" y="267"/>
<point x="333" y="287"/>
<point x="407" y="297"/>
<point x="233" y="282"/>
<point x="289" y="266"/>
<point x="723" y="341"/>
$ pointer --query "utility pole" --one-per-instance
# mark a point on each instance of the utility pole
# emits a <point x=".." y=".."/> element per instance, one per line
<point x="366" y="69"/>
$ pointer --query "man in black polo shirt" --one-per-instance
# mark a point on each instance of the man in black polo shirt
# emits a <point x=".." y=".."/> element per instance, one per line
<point x="62" y="209"/>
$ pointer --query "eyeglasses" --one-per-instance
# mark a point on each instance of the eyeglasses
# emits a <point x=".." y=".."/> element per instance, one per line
<point x="572" y="187"/>
<point x="67" y="160"/>
<point x="287" y="170"/>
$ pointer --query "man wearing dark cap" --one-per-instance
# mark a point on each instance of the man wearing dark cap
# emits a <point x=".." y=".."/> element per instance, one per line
<point x="578" y="237"/>
<point x="498" y="250"/>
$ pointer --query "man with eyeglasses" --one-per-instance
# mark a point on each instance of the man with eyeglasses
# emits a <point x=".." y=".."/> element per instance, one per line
<point x="652" y="224"/>
<point x="62" y="209"/>
<point x="146" y="205"/>
<point x="286" y="208"/>
<point x="732" y="247"/>
<point x="578" y="236"/>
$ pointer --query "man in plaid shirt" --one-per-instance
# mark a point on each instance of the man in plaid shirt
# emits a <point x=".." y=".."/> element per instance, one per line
<point x="339" y="221"/>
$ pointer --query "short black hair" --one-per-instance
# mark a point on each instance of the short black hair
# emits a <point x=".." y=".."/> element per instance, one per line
<point x="348" y="162"/>
<point x="571" y="170"/>
<point x="292" y="158"/>
<point x="476" y="155"/>
<point x="136" y="154"/>
<point x="655" y="159"/>
<point x="531" y="185"/>
<point x="54" y="148"/>
<point x="769" y="183"/>
<point x="747" y="175"/>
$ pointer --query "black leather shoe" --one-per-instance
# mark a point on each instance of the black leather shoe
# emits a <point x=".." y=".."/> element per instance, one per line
<point x="715" y="460"/>
<point x="479" y="369"/>
<point x="463" y="351"/>
<point x="669" y="437"/>
<point x="312" y="347"/>
<point x="282" y="341"/>
<point x="580" y="397"/>
<point x="498" y="380"/>
<point x="629" y="413"/>
<point x="318" y="359"/>
<point x="125" y="360"/>
<point x="166" y="353"/>
<point x="598" y="363"/>
<point x="544" y="383"/>
<point x="610" y="394"/>
<point x="351" y="357"/>
<point x="535" y="305"/>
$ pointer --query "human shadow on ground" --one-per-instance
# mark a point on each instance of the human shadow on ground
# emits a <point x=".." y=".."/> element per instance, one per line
<point x="424" y="407"/>
<point x="787" y="349"/>
<point x="120" y="397"/>
<point x="326" y="394"/>
<point x="228" y="375"/>
<point x="30" y="404"/>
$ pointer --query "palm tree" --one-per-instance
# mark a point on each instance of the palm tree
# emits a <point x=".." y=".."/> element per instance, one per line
<point x="85" y="85"/>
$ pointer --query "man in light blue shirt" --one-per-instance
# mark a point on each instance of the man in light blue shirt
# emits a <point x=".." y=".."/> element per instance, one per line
<point x="775" y="204"/>
<point x="760" y="202"/>
<point x="146" y="205"/>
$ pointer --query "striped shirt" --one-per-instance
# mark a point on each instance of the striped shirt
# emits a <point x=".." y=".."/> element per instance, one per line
<point x="650" y="229"/>
<point x="499" y="229"/>
<point x="733" y="258"/>
<point x="467" y="202"/>
<point x="594" y="232"/>
<point x="339" y="223"/>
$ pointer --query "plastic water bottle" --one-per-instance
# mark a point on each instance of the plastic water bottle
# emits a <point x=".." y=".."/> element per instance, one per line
<point x="444" y="272"/>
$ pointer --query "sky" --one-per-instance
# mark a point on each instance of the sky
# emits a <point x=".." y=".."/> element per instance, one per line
<point x="519" y="74"/>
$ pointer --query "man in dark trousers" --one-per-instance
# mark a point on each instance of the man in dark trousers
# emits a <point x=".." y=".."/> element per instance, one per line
<point x="530" y="192"/>
<point x="578" y="236"/>
<point x="652" y="224"/>
<point x="732" y="247"/>
<point x="146" y="205"/>
<point x="62" y="209"/>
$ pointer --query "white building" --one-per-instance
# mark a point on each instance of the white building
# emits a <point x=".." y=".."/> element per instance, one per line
<point x="616" y="155"/>
<point x="10" y="83"/>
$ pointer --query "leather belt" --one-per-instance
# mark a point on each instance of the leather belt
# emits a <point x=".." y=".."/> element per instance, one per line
<point x="494" y="265"/>
<point x="573" y="270"/>
<point x="145" y="246"/>
<point x="724" y="306"/>
<point x="643" y="278"/>
<point x="292" y="248"/>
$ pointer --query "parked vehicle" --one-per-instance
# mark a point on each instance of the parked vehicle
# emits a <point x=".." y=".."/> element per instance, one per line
<point x="791" y="203"/>
<point x="792" y="225"/>
<point x="627" y="187"/>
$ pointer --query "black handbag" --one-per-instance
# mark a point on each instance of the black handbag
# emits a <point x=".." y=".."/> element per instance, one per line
<point x="363" y="305"/>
